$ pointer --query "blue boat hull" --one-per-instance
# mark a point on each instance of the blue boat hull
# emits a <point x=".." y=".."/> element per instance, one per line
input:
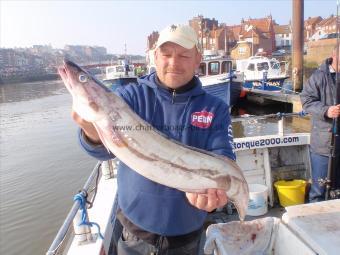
<point x="270" y="85"/>
<point x="229" y="94"/>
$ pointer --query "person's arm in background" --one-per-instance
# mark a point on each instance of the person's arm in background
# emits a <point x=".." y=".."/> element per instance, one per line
<point x="311" y="100"/>
<point x="220" y="142"/>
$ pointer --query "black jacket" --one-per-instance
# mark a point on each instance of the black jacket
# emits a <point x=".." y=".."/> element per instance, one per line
<point x="317" y="96"/>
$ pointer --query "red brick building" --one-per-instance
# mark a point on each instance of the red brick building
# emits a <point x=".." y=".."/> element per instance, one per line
<point x="326" y="26"/>
<point x="310" y="27"/>
<point x="203" y="26"/>
<point x="262" y="30"/>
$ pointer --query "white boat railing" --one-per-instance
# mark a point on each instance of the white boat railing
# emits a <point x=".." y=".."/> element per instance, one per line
<point x="58" y="240"/>
<point x="279" y="116"/>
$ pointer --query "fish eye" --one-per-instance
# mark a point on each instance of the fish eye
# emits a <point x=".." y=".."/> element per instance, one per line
<point x="83" y="78"/>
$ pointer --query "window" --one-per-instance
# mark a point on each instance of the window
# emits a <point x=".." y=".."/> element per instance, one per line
<point x="251" y="67"/>
<point x="262" y="66"/>
<point x="110" y="70"/>
<point x="226" y="66"/>
<point x="274" y="65"/>
<point x="214" y="68"/>
<point x="119" y="69"/>
<point x="242" y="50"/>
<point x="202" y="69"/>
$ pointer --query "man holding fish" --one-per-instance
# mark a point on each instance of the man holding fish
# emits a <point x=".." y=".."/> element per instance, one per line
<point x="158" y="218"/>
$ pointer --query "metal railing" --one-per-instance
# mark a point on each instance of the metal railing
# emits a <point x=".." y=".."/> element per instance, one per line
<point x="58" y="240"/>
<point x="279" y="116"/>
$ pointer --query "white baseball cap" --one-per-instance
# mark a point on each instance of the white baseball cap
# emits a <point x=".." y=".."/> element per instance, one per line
<point x="182" y="35"/>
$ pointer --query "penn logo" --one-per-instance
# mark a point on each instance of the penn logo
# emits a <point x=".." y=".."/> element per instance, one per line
<point x="202" y="119"/>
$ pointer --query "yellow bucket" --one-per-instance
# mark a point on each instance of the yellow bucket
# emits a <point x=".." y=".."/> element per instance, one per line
<point x="291" y="192"/>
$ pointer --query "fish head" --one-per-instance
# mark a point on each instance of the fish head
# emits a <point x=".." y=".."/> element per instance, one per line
<point x="88" y="93"/>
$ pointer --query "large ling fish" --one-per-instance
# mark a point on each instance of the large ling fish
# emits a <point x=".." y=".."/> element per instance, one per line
<point x="148" y="152"/>
<point x="247" y="238"/>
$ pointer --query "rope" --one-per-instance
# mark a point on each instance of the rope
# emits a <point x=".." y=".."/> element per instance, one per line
<point x="300" y="114"/>
<point x="81" y="197"/>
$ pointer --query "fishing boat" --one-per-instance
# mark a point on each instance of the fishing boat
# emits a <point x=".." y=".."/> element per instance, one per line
<point x="263" y="159"/>
<point x="262" y="73"/>
<point x="218" y="79"/>
<point x="119" y="75"/>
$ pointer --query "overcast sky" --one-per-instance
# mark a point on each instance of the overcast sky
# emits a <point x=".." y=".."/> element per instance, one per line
<point x="113" y="23"/>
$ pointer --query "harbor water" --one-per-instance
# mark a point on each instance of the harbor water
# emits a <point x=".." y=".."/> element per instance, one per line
<point x="43" y="167"/>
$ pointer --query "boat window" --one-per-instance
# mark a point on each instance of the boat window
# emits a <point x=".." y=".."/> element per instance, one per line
<point x="202" y="70"/>
<point x="274" y="65"/>
<point x="110" y="70"/>
<point x="214" y="68"/>
<point x="251" y="67"/>
<point x="262" y="66"/>
<point x="226" y="66"/>
<point x="120" y="69"/>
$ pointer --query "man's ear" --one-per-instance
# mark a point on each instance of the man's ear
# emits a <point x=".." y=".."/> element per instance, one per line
<point x="155" y="54"/>
<point x="198" y="59"/>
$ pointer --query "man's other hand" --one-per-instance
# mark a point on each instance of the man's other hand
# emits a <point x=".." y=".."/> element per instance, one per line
<point x="88" y="128"/>
<point x="209" y="201"/>
<point x="333" y="111"/>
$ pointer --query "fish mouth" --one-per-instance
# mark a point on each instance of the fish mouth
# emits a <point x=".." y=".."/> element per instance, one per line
<point x="68" y="71"/>
<point x="64" y="77"/>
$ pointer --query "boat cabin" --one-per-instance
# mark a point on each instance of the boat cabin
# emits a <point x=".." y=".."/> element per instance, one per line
<point x="255" y="67"/>
<point x="119" y="71"/>
<point x="214" y="67"/>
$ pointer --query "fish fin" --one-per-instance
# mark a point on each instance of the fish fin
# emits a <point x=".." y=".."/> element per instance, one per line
<point x="239" y="207"/>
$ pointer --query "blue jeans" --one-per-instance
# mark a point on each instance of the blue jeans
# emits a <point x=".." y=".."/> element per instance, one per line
<point x="319" y="171"/>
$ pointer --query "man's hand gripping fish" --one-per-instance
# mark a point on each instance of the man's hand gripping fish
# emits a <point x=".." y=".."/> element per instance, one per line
<point x="148" y="152"/>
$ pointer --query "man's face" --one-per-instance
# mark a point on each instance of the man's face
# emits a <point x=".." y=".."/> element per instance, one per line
<point x="175" y="65"/>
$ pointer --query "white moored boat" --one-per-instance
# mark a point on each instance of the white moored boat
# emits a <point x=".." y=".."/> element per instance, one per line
<point x="262" y="73"/>
<point x="119" y="75"/>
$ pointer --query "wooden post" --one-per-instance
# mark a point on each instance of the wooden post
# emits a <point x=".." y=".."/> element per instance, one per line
<point x="297" y="58"/>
